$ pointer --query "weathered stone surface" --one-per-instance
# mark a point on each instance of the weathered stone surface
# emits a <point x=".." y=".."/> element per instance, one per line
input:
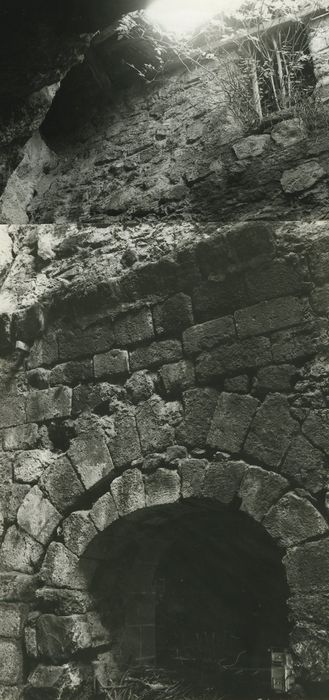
<point x="59" y="637"/>
<point x="54" y="682"/>
<point x="128" y="492"/>
<point x="313" y="608"/>
<point x="307" y="566"/>
<point x="259" y="489"/>
<point x="293" y="520"/>
<point x="71" y="373"/>
<point x="134" y="328"/>
<point x="90" y="457"/>
<point x="12" y="499"/>
<point x="75" y="342"/>
<point x="163" y="486"/>
<point x="271" y="431"/>
<point x="156" y="354"/>
<point x="206" y="335"/>
<point x="153" y="425"/>
<point x="23" y="437"/>
<point x="222" y="480"/>
<point x="288" y="132"/>
<point x="294" y="344"/>
<point x="252" y="146"/>
<point x="55" y="482"/>
<point x="37" y="516"/>
<point x="94" y="397"/>
<point x="276" y="278"/>
<point x="48" y="403"/>
<point x="310" y="649"/>
<point x="29" y="466"/>
<point x="39" y="378"/>
<point x="12" y="411"/>
<point x="104" y="512"/>
<point x="78" y="531"/>
<point x="237" y="385"/>
<point x="231" y="421"/>
<point x="271" y="315"/>
<point x="177" y="377"/>
<point x="63" y="569"/>
<point x="11" y="662"/>
<point x="316" y="428"/>
<point x="192" y="473"/>
<point x="173" y="315"/>
<point x="199" y="406"/>
<point x="305" y="465"/>
<point x="123" y="438"/>
<point x="113" y="363"/>
<point x="17" y="587"/>
<point x="248" y="354"/>
<point x="64" y="601"/>
<point x="19" y="552"/>
<point x="44" y="351"/>
<point x="303" y="177"/>
<point x="12" y="619"/>
<point x="140" y="386"/>
<point x="10" y="692"/>
<point x="275" y="378"/>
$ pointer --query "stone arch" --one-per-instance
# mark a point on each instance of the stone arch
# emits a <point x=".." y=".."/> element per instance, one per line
<point x="76" y="551"/>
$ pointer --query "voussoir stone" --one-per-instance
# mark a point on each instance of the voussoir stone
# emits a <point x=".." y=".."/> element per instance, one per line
<point x="54" y="482"/>
<point x="78" y="531"/>
<point x="63" y="569"/>
<point x="123" y="438"/>
<point x="128" y="492"/>
<point x="104" y="512"/>
<point x="15" y="586"/>
<point x="305" y="464"/>
<point x="153" y="425"/>
<point x="259" y="489"/>
<point x="231" y="421"/>
<point x="192" y="473"/>
<point x="199" y="406"/>
<point x="293" y="520"/>
<point x="163" y="486"/>
<point x="37" y="516"/>
<point x="90" y="457"/>
<point x="222" y="480"/>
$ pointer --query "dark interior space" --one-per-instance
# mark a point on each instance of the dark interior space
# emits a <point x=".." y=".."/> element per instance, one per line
<point x="200" y="595"/>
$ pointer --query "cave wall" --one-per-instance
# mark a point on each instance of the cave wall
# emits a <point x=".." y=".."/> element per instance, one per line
<point x="196" y="365"/>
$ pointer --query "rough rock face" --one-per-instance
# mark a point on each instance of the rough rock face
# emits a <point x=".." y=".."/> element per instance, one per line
<point x="194" y="369"/>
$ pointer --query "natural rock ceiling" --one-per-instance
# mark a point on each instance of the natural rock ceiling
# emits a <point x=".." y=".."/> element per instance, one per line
<point x="40" y="43"/>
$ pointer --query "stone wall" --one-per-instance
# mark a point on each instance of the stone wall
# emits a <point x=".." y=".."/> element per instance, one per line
<point x="195" y="366"/>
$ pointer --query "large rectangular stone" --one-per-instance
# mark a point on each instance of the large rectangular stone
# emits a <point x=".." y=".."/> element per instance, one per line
<point x="90" y="457"/>
<point x="156" y="354"/>
<point x="113" y="363"/>
<point x="23" y="437"/>
<point x="12" y="619"/>
<point x="248" y="354"/>
<point x="12" y="411"/>
<point x="11" y="662"/>
<point x="133" y="328"/>
<point x="271" y="315"/>
<point x="48" y="403"/>
<point x="206" y="335"/>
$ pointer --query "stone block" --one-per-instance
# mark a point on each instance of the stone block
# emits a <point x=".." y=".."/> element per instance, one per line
<point x="173" y="315"/>
<point x="271" y="431"/>
<point x="17" y="587"/>
<point x="113" y="363"/>
<point x="94" y="397"/>
<point x="152" y="423"/>
<point x="206" y="335"/>
<point x="13" y="499"/>
<point x="78" y="531"/>
<point x="319" y="259"/>
<point x="39" y="378"/>
<point x="12" y="619"/>
<point x="222" y="480"/>
<point x="231" y="421"/>
<point x="59" y="637"/>
<point x="302" y="178"/>
<point x="77" y="342"/>
<point x="316" y="428"/>
<point x="239" y="384"/>
<point x="37" y="516"/>
<point x="123" y="438"/>
<point x="11" y="692"/>
<point x="71" y="373"/>
<point x="55" y="480"/>
<point x="104" y="512"/>
<point x="163" y="486"/>
<point x="54" y="682"/>
<point x="128" y="492"/>
<point x="29" y="466"/>
<point x="294" y="344"/>
<point x="23" y="437"/>
<point x="48" y="403"/>
<point x="248" y="354"/>
<point x="11" y="662"/>
<point x="177" y="377"/>
<point x="90" y="457"/>
<point x="44" y="351"/>
<point x="140" y="386"/>
<point x="289" y="132"/>
<point x="307" y="566"/>
<point x="199" y="406"/>
<point x="19" y="552"/>
<point x="63" y="569"/>
<point x="273" y="315"/>
<point x="259" y="489"/>
<point x="12" y="411"/>
<point x="305" y="465"/>
<point x="275" y="378"/>
<point x="192" y="473"/>
<point x="252" y="146"/>
<point x="293" y="520"/>
<point x="65" y="601"/>
<point x="156" y="354"/>
<point x="134" y="328"/>
<point x="276" y="278"/>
